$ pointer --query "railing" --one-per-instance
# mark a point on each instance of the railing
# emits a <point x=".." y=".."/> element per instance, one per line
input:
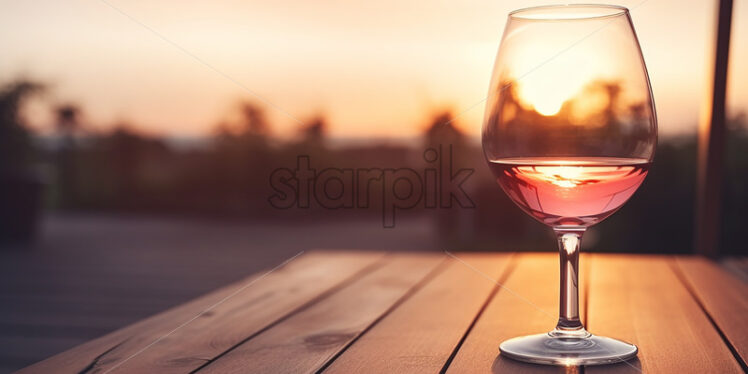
<point x="712" y="131"/>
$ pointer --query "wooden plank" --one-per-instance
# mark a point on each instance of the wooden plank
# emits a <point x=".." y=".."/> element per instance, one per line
<point x="273" y="296"/>
<point x="307" y="340"/>
<point x="724" y="297"/>
<point x="420" y="335"/>
<point x="527" y="304"/>
<point x="639" y="299"/>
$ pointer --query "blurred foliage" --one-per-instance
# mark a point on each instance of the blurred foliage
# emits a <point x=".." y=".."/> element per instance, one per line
<point x="123" y="170"/>
<point x="16" y="146"/>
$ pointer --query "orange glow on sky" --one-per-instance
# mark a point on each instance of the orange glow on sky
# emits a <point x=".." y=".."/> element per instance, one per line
<point x="372" y="68"/>
<point x="547" y="87"/>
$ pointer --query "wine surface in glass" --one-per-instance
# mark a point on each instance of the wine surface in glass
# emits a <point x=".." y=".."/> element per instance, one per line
<point x="575" y="191"/>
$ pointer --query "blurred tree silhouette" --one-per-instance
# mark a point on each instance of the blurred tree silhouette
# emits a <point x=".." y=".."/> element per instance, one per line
<point x="67" y="123"/>
<point x="241" y="157"/>
<point x="442" y="130"/>
<point x="254" y="122"/>
<point x="22" y="187"/>
<point x="599" y="107"/>
<point x="68" y="119"/>
<point x="314" y="132"/>
<point x="16" y="146"/>
<point x="124" y="170"/>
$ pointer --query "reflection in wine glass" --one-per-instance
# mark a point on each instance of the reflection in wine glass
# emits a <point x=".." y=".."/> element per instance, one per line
<point x="570" y="144"/>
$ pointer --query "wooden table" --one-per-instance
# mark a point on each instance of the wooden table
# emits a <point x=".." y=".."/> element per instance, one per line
<point x="351" y="312"/>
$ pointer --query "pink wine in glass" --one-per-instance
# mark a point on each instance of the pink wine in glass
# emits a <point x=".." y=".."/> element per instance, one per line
<point x="574" y="191"/>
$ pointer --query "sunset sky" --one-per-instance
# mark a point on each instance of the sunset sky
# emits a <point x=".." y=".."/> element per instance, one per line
<point x="374" y="69"/>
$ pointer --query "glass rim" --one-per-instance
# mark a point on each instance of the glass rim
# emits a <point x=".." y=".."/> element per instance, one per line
<point x="602" y="11"/>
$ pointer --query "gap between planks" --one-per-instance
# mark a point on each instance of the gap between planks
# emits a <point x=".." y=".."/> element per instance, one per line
<point x="639" y="299"/>
<point x="421" y="334"/>
<point x="527" y="303"/>
<point x="511" y="265"/>
<point x="312" y="337"/>
<point x="308" y="277"/>
<point x="722" y="297"/>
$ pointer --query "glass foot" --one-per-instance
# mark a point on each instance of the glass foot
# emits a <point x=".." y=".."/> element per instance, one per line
<point x="550" y="350"/>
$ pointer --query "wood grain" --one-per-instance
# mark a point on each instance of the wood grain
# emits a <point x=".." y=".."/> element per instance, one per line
<point x="639" y="299"/>
<point x="351" y="312"/>
<point x="527" y="304"/>
<point x="273" y="296"/>
<point x="724" y="297"/>
<point x="308" y="339"/>
<point x="420" y="335"/>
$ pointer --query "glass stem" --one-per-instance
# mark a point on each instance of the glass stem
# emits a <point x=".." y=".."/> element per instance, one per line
<point x="569" y="325"/>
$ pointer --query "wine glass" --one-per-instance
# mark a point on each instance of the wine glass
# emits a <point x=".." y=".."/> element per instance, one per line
<point x="569" y="133"/>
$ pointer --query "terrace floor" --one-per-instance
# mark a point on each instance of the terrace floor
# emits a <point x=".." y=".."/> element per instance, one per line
<point x="88" y="275"/>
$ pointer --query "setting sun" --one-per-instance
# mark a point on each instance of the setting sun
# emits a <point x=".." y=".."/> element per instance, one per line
<point x="545" y="88"/>
<point x="545" y="101"/>
<point x="247" y="186"/>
